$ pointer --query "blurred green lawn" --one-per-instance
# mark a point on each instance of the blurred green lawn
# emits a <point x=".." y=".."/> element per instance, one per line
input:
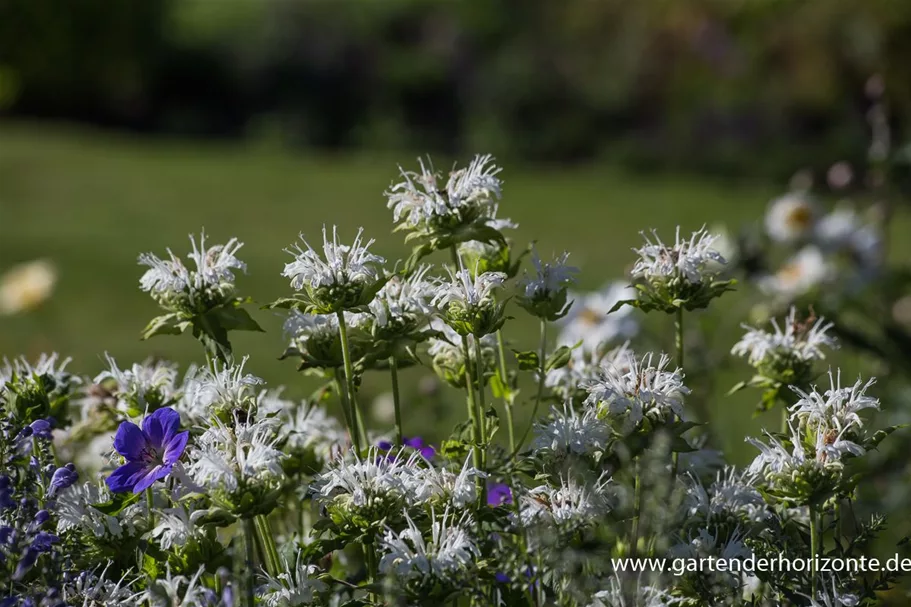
<point x="91" y="202"/>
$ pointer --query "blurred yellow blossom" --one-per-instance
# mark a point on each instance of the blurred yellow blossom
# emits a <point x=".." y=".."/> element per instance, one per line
<point x="26" y="285"/>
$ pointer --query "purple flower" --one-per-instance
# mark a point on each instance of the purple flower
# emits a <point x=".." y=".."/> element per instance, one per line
<point x="418" y="443"/>
<point x="498" y="494"/>
<point x="42" y="428"/>
<point x="150" y="452"/>
<point x="63" y="478"/>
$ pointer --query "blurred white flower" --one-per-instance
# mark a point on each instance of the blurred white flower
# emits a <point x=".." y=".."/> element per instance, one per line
<point x="799" y="275"/>
<point x="791" y="218"/>
<point x="176" y="526"/>
<point x="150" y="383"/>
<point x="466" y="289"/>
<point x="550" y="278"/>
<point x="26" y="285"/>
<point x="588" y="320"/>
<point x="568" y="432"/>
<point x="209" y="393"/>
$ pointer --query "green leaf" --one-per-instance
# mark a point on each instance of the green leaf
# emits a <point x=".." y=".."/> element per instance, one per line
<point x="491" y="423"/>
<point x="285" y="303"/>
<point x="117" y="503"/>
<point x="235" y="318"/>
<point x="742" y="385"/>
<point x="625" y="302"/>
<point x="167" y="324"/>
<point x="559" y="358"/>
<point x="528" y="360"/>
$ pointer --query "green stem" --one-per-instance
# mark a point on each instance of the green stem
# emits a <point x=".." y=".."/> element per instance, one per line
<point x="542" y="353"/>
<point x="678" y="342"/>
<point x="814" y="547"/>
<point x="342" y="389"/>
<point x="507" y="405"/>
<point x="267" y="541"/>
<point x="394" y="371"/>
<point x="472" y="411"/>
<point x="357" y="427"/>
<point x="482" y="414"/>
<point x="149" y="505"/>
<point x="249" y="562"/>
<point x="784" y="419"/>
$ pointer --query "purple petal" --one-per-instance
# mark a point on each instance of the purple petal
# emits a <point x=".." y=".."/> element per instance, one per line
<point x="125" y="477"/>
<point x="498" y="494"/>
<point x="156" y="473"/>
<point x="130" y="441"/>
<point x="428" y="452"/>
<point x="384" y="445"/>
<point x="161" y="426"/>
<point x="415" y="442"/>
<point x="174" y="448"/>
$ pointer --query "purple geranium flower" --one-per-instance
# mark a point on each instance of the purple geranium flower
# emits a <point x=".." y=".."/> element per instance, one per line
<point x="151" y="452"/>
<point x="418" y="443"/>
<point x="498" y="494"/>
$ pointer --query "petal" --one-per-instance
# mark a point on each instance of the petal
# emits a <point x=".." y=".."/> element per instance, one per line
<point x="130" y="441"/>
<point x="161" y="425"/>
<point x="156" y="473"/>
<point x="125" y="477"/>
<point x="174" y="447"/>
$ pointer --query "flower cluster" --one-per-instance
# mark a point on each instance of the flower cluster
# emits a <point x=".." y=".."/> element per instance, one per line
<point x="210" y="488"/>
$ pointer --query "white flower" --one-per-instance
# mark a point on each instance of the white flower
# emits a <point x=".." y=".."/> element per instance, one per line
<point x="310" y="427"/>
<point x="837" y="407"/>
<point x="467" y="290"/>
<point x="76" y="510"/>
<point x="790" y="218"/>
<point x="588" y="320"/>
<point x="617" y="594"/>
<point x="795" y="340"/>
<point x="376" y="475"/>
<point x="450" y="550"/>
<point x="214" y="271"/>
<point x="306" y="330"/>
<point x="693" y="260"/>
<point x="774" y="458"/>
<point x="583" y="367"/>
<point x="572" y="503"/>
<point x="550" y="278"/>
<point x="339" y="265"/>
<point x="90" y="589"/>
<point x="440" y="485"/>
<point x="25" y="286"/>
<point x="147" y="383"/>
<point x="704" y="544"/>
<point x="176" y="526"/>
<point x="418" y="199"/>
<point x="47" y="364"/>
<point x="293" y="586"/>
<point x="209" y="393"/>
<point x="177" y="591"/>
<point x="642" y="389"/>
<point x="832" y="597"/>
<point x="567" y="432"/>
<point x="731" y="494"/>
<point x="799" y="275"/>
<point x="227" y="456"/>
<point x="404" y="301"/>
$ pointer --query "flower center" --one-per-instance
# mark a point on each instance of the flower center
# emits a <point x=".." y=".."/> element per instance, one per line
<point x="151" y="456"/>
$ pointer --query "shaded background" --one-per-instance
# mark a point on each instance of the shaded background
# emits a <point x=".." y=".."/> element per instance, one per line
<point x="127" y="125"/>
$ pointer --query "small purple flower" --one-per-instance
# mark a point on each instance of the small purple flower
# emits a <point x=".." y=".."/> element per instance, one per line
<point x="64" y="477"/>
<point x="418" y="443"/>
<point x="150" y="452"/>
<point x="498" y="494"/>
<point x="42" y="428"/>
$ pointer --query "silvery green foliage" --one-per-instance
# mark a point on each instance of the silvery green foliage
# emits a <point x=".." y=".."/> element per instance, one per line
<point x="275" y="501"/>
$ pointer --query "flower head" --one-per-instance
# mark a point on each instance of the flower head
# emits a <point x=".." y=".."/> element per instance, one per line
<point x="150" y="452"/>
<point x="837" y="407"/>
<point x="467" y="304"/>
<point x="693" y="260"/>
<point x="448" y="554"/>
<point x="643" y="389"/>
<point x="294" y="586"/>
<point x="802" y="273"/>
<point x="791" y="218"/>
<point x="569" y="433"/>
<point x="142" y="387"/>
<point x="572" y="503"/>
<point x="178" y="288"/>
<point x="25" y="286"/>
<point x="545" y="295"/>
<point x="220" y="391"/>
<point x="593" y="320"/>
<point x="792" y="340"/>
<point x="342" y="278"/>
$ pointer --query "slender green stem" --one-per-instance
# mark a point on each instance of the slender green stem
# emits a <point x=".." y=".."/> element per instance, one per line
<point x="814" y="547"/>
<point x="149" y="504"/>
<point x="249" y="562"/>
<point x="482" y="414"/>
<point x="542" y="375"/>
<point x="507" y="404"/>
<point x="267" y="541"/>
<point x="472" y="411"/>
<point x="637" y="510"/>
<point x="342" y="389"/>
<point x="784" y="419"/>
<point x="678" y="342"/>
<point x="357" y="426"/>
<point x="394" y="371"/>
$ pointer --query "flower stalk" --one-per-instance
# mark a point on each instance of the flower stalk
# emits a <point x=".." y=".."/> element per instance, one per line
<point x="355" y="421"/>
